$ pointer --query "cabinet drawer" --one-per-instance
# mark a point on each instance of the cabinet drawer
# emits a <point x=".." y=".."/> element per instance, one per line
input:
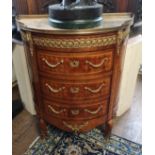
<point x="75" y="63"/>
<point x="76" y="111"/>
<point x="75" y="90"/>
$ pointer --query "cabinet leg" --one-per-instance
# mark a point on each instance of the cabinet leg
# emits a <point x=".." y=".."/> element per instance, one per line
<point x="108" y="129"/>
<point x="43" y="128"/>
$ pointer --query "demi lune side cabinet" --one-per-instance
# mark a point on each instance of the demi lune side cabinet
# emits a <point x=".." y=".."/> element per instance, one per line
<point x="75" y="74"/>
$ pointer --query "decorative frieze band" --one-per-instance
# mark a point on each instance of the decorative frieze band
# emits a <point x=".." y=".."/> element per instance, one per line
<point x="72" y="43"/>
<point x="78" y="43"/>
<point x="75" y="43"/>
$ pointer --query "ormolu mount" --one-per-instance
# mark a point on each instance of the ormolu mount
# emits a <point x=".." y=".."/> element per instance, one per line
<point x="75" y="14"/>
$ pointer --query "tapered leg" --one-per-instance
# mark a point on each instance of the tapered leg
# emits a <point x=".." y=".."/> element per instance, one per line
<point x="108" y="129"/>
<point x="43" y="128"/>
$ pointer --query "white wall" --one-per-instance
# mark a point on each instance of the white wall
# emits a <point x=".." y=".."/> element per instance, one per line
<point x="129" y="76"/>
<point x="23" y="79"/>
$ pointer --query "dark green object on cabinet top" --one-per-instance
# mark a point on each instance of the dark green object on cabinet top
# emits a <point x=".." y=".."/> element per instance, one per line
<point x="75" y="14"/>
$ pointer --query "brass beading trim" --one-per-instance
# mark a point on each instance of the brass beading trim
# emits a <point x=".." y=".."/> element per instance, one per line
<point x="78" y="43"/>
<point x="75" y="43"/>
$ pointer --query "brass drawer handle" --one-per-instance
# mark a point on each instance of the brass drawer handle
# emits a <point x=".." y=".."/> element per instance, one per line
<point x="74" y="63"/>
<point x="75" y="127"/>
<point x="97" y="65"/>
<point x="54" y="90"/>
<point x="55" y="111"/>
<point x="74" y="90"/>
<point x="93" y="112"/>
<point x="95" y="90"/>
<point x="75" y="112"/>
<point x="52" y="65"/>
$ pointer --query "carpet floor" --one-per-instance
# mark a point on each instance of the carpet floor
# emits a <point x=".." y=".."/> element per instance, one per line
<point x="91" y="143"/>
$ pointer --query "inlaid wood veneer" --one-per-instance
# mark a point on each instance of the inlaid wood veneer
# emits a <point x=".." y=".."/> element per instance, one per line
<point x="75" y="73"/>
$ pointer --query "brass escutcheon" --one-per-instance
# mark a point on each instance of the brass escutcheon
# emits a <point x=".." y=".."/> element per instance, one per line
<point x="75" y="112"/>
<point x="74" y="90"/>
<point x="74" y="63"/>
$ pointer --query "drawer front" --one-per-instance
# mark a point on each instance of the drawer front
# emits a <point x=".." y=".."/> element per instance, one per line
<point x="75" y="90"/>
<point x="76" y="111"/>
<point x="75" y="63"/>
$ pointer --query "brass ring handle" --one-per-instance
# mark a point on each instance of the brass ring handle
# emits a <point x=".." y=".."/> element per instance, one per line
<point x="93" y="112"/>
<point x="54" y="90"/>
<point x="75" y="127"/>
<point x="55" y="111"/>
<point x="75" y="112"/>
<point x="74" y="90"/>
<point x="74" y="63"/>
<point x="97" y="65"/>
<point x="95" y="90"/>
<point x="52" y="65"/>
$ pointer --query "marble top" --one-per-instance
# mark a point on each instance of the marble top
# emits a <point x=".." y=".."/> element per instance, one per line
<point x="39" y="23"/>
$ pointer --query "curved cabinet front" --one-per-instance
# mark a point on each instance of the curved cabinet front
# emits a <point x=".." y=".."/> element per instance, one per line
<point x="76" y="73"/>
